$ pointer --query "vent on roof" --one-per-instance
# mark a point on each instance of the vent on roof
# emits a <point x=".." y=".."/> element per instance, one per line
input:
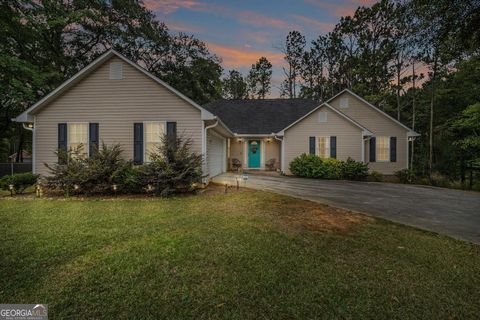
<point x="322" y="116"/>
<point x="344" y="103"/>
<point x="116" y="71"/>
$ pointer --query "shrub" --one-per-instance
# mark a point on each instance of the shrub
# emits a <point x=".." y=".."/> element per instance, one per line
<point x="354" y="170"/>
<point x="20" y="182"/>
<point x="79" y="174"/>
<point x="312" y="166"/>
<point x="332" y="169"/>
<point x="307" y="165"/>
<point x="128" y="178"/>
<point x="405" y="175"/>
<point x="174" y="168"/>
<point x="375" y="176"/>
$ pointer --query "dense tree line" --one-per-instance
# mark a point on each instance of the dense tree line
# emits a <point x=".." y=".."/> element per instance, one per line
<point x="378" y="52"/>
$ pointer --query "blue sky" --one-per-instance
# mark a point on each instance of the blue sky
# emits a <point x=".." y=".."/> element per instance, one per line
<point x="242" y="31"/>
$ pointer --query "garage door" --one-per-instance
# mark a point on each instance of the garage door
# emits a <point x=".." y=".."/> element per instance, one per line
<point x="215" y="154"/>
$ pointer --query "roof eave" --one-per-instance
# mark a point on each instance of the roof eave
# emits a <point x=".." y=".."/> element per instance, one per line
<point x="28" y="114"/>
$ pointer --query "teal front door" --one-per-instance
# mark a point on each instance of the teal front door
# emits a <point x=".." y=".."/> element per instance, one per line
<point x="254" y="154"/>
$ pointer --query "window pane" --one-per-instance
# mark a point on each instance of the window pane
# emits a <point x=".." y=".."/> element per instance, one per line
<point x="323" y="147"/>
<point x="78" y="135"/>
<point x="154" y="132"/>
<point x="383" y="148"/>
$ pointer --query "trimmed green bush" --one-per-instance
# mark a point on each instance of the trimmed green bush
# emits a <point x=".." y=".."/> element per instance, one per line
<point x="354" y="170"/>
<point x="405" y="175"/>
<point x="312" y="166"/>
<point x="20" y="182"/>
<point x="307" y="165"/>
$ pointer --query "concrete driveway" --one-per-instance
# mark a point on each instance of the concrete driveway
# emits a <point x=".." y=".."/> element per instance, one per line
<point x="452" y="212"/>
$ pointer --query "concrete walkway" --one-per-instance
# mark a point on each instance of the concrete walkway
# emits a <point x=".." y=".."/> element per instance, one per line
<point x="452" y="212"/>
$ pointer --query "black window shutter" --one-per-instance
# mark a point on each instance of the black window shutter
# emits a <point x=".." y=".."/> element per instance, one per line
<point x="312" y="145"/>
<point x="373" y="149"/>
<point x="138" y="143"/>
<point x="393" y="149"/>
<point x="333" y="147"/>
<point x="62" y="139"/>
<point x="171" y="131"/>
<point x="94" y="139"/>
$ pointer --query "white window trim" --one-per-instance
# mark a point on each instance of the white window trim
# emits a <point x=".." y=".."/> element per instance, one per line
<point x="145" y="136"/>
<point x="86" y="145"/>
<point x="376" y="149"/>
<point x="317" y="149"/>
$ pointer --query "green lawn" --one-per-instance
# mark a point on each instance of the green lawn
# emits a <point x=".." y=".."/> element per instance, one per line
<point x="245" y="255"/>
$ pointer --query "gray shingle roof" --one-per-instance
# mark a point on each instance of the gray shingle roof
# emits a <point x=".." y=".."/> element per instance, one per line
<point x="260" y="116"/>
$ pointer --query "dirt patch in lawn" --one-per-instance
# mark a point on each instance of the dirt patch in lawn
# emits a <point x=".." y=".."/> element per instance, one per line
<point x="297" y="216"/>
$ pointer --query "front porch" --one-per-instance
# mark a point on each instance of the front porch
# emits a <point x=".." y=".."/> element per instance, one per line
<point x="254" y="153"/>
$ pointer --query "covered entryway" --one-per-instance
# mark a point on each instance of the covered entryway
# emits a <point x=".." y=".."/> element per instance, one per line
<point x="216" y="154"/>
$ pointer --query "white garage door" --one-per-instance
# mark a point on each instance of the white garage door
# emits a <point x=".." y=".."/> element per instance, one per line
<point x="215" y="154"/>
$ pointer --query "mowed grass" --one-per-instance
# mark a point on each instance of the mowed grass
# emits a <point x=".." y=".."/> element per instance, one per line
<point x="245" y="255"/>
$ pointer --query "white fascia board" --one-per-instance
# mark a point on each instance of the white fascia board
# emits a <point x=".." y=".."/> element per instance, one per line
<point x="254" y="135"/>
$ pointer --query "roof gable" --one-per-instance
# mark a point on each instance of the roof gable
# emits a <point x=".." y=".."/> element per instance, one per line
<point x="27" y="116"/>
<point x="410" y="131"/>
<point x="326" y="105"/>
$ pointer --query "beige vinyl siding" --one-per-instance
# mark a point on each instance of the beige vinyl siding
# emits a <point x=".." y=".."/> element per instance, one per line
<point x="272" y="151"/>
<point x="379" y="125"/>
<point x="116" y="105"/>
<point x="236" y="151"/>
<point x="349" y="136"/>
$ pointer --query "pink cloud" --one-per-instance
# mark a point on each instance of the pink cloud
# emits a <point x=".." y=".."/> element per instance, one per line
<point x="182" y="27"/>
<point x="309" y="22"/>
<point x="339" y="10"/>
<point x="170" y="6"/>
<point x="243" y="57"/>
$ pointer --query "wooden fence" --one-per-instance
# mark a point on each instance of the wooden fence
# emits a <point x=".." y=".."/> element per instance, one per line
<point x="12" y="168"/>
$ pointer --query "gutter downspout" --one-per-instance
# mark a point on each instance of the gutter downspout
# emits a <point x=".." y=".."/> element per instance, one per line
<point x="205" y="144"/>
<point x="282" y="153"/>
<point x="34" y="155"/>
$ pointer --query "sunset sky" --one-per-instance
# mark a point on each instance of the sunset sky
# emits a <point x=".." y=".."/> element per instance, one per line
<point x="242" y="31"/>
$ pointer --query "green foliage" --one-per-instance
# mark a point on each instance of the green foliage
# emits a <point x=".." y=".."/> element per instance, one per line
<point x="258" y="79"/>
<point x="312" y="166"/>
<point x="354" y="170"/>
<point x="306" y="165"/>
<point x="406" y="175"/>
<point x="20" y="181"/>
<point x="375" y="176"/>
<point x="86" y="175"/>
<point x="173" y="167"/>
<point x="234" y="86"/>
